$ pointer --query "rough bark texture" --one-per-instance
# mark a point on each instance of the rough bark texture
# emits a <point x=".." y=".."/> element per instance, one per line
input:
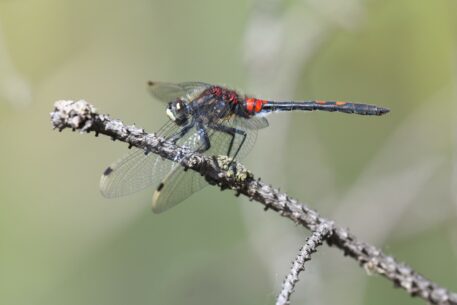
<point x="218" y="170"/>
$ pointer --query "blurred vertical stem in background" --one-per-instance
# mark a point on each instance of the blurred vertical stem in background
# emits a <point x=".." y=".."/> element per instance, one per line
<point x="14" y="89"/>
<point x="281" y="39"/>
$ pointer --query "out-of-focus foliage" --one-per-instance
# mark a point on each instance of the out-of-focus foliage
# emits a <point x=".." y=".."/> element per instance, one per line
<point x="393" y="179"/>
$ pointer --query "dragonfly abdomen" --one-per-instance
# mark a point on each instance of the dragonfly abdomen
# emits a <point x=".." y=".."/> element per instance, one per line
<point x="345" y="107"/>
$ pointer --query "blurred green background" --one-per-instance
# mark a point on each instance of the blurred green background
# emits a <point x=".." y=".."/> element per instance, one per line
<point x="392" y="180"/>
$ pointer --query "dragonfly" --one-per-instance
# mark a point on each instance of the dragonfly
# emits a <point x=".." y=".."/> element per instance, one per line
<point x="208" y="119"/>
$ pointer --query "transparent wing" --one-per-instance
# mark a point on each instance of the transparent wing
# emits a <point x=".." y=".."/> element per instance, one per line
<point x="175" y="187"/>
<point x="179" y="184"/>
<point x="256" y="122"/>
<point x="167" y="92"/>
<point x="133" y="173"/>
<point x="136" y="171"/>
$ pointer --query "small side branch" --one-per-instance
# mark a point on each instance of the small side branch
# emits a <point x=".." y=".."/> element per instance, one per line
<point x="315" y="240"/>
<point x="219" y="171"/>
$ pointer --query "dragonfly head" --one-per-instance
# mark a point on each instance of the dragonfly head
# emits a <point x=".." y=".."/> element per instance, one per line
<point x="177" y="112"/>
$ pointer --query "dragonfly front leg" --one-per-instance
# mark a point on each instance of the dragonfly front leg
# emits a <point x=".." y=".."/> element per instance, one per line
<point x="232" y="131"/>
<point x="181" y="133"/>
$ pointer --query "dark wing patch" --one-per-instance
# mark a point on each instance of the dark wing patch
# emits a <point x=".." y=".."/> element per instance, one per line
<point x="108" y="171"/>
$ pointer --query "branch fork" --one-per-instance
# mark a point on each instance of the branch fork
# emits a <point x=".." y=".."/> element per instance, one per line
<point x="229" y="174"/>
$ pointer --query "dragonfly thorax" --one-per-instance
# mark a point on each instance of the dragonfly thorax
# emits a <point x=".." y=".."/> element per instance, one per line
<point x="178" y="112"/>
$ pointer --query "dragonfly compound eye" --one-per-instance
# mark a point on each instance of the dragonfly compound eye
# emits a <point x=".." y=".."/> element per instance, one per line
<point x="177" y="112"/>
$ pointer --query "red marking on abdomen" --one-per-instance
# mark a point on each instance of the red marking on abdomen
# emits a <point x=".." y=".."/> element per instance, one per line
<point x="254" y="105"/>
<point x="259" y="105"/>
<point x="340" y="103"/>
<point x="321" y="102"/>
<point x="250" y="102"/>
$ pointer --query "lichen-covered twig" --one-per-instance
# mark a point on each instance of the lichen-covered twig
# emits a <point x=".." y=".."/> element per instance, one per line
<point x="315" y="240"/>
<point x="83" y="117"/>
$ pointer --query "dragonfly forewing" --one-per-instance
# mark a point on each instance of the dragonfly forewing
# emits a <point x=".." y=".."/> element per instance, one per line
<point x="167" y="92"/>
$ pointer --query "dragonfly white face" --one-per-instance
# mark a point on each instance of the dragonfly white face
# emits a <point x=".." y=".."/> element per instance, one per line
<point x="170" y="114"/>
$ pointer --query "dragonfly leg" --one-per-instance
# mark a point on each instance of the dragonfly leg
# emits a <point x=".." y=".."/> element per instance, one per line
<point x="232" y="131"/>
<point x="181" y="133"/>
<point x="204" y="138"/>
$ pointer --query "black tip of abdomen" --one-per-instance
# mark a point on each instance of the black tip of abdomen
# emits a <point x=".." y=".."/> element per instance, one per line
<point x="382" y="110"/>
